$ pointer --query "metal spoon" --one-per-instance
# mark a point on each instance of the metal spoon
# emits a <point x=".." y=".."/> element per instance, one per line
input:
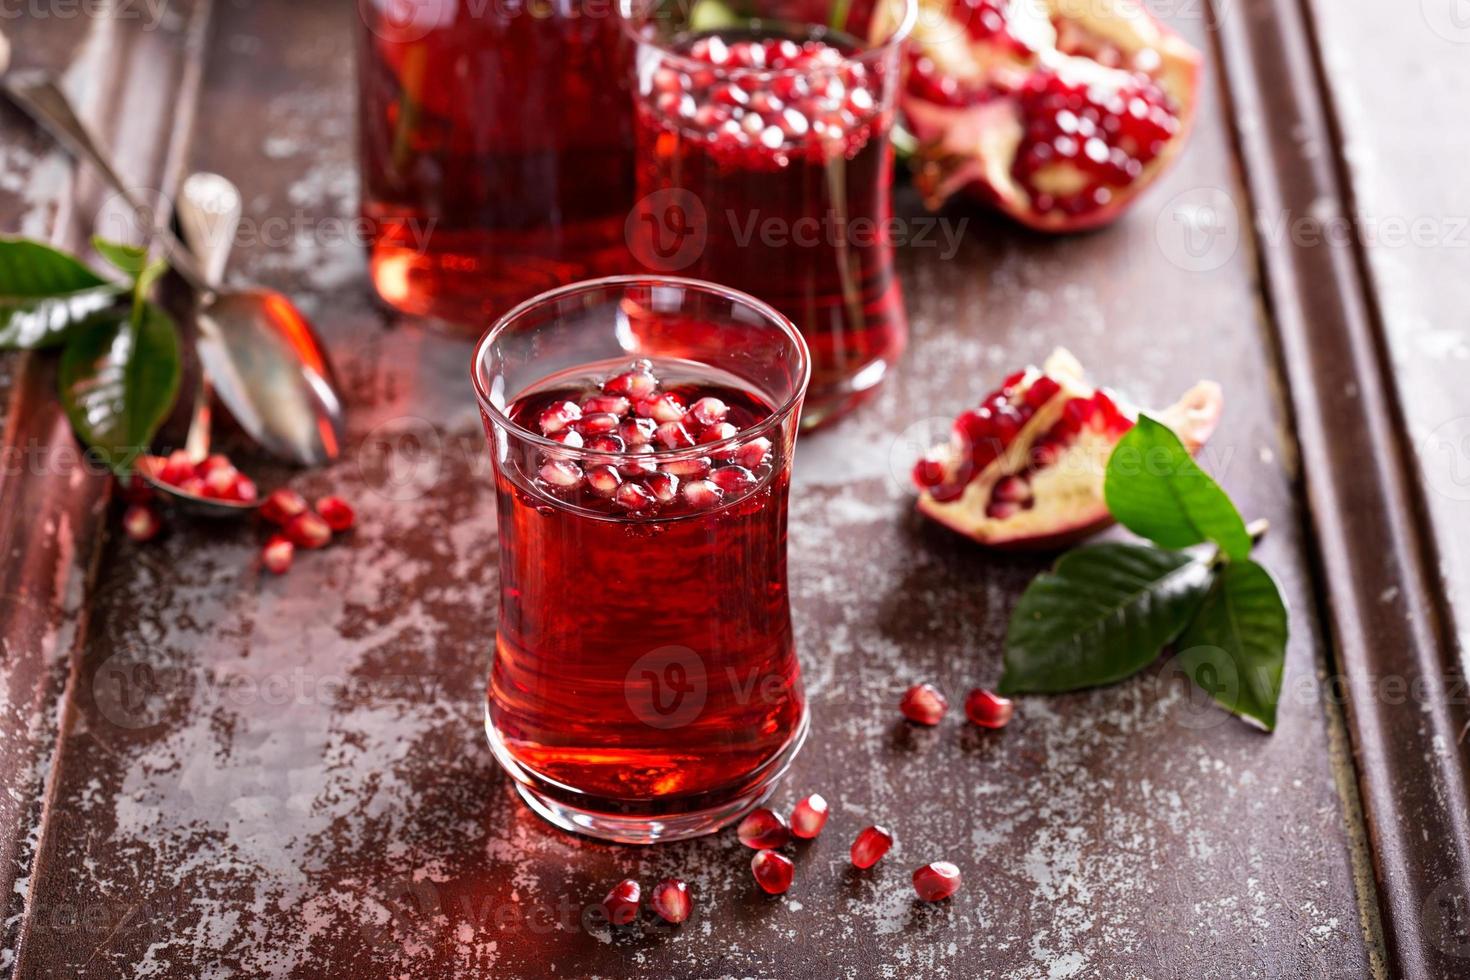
<point x="209" y="212"/>
<point x="260" y="352"/>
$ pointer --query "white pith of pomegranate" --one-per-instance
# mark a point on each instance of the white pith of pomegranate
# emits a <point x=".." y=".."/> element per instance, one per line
<point x="1056" y="112"/>
<point x="1025" y="469"/>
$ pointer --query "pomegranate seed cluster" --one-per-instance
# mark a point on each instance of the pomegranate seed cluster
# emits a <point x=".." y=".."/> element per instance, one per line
<point x="925" y="704"/>
<point x="616" y="431"/>
<point x="1107" y="132"/>
<point x="763" y="102"/>
<point x="214" y="478"/>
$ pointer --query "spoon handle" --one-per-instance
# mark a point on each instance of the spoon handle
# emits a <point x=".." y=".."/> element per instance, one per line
<point x="39" y="95"/>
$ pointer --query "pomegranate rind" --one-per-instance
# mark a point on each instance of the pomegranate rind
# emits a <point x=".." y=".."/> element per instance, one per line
<point x="1068" y="492"/>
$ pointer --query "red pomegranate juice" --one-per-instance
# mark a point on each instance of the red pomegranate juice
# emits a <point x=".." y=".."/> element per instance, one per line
<point x="783" y="140"/>
<point x="644" y="663"/>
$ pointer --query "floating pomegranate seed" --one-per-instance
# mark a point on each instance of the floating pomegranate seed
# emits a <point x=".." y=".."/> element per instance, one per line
<point x="570" y="438"/>
<point x="607" y="404"/>
<point x="694" y="467"/>
<point x="870" y="846"/>
<point x="561" y="473"/>
<point x="718" y="432"/>
<point x="733" y="479"/>
<point x="809" y="817"/>
<point x="598" y="423"/>
<point x="924" y="704"/>
<point x="634" y="384"/>
<point x="337" y="512"/>
<point x="603" y="479"/>
<point x="308" y="530"/>
<point x="664" y="486"/>
<point x="763" y="828"/>
<point x="621" y="904"/>
<point x="277" y="554"/>
<point x="557" y="417"/>
<point x="606" y="443"/>
<point x="176" y="469"/>
<point x="702" y="493"/>
<point x="670" y="899"/>
<point x="661" y="408"/>
<point x="708" y="411"/>
<point x="772" y="871"/>
<point x="937" y="881"/>
<point x="633" y="465"/>
<point x="674" y="436"/>
<point x="754" y="453"/>
<point x="988" y="710"/>
<point x="633" y="496"/>
<point x="141" y="522"/>
<point x="637" y="432"/>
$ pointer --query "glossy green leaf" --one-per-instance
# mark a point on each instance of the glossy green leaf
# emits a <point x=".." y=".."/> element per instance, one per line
<point x="130" y="259"/>
<point x="118" y="382"/>
<point x="37" y="322"/>
<point x="1156" y="490"/>
<point x="1235" y="647"/>
<point x="30" y="269"/>
<point x="1102" y="614"/>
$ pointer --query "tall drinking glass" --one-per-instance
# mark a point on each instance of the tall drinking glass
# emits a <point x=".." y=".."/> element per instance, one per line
<point x="645" y="684"/>
<point x="764" y="162"/>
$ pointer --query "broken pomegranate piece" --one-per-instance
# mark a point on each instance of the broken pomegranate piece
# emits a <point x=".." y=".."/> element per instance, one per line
<point x="1056" y="112"/>
<point x="1025" y="468"/>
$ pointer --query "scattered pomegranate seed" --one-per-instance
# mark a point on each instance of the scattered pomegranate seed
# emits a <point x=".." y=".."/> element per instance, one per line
<point x="141" y="522"/>
<point x="987" y="709"/>
<point x="308" y="530"/>
<point x="277" y="554"/>
<point x="809" y="817"/>
<point x="924" y="704"/>
<point x="937" y="881"/>
<point x="282" y="505"/>
<point x="337" y="512"/>
<point x="870" y="845"/>
<point x="670" y="899"/>
<point x="621" y="903"/>
<point x="763" y="828"/>
<point x="772" y="871"/>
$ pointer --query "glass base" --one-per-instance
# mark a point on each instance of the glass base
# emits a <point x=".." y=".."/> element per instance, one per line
<point x="550" y="800"/>
<point x="827" y="404"/>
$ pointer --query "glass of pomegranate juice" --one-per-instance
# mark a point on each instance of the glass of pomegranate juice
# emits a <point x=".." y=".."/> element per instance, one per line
<point x="645" y="684"/>
<point x="763" y="161"/>
<point x="496" y="149"/>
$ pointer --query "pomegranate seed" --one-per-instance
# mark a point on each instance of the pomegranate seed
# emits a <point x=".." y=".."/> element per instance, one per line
<point x="606" y="443"/>
<point x="633" y="496"/>
<point x="141" y="522"/>
<point x="308" y="530"/>
<point x="277" y="554"/>
<point x="670" y="899"/>
<point x="220" y="483"/>
<point x="664" y="486"/>
<point x="337" y="512"/>
<point x="1041" y="391"/>
<point x="244" y="489"/>
<point x="1002" y="510"/>
<point x="702" y="493"/>
<point x="661" y="408"/>
<point x="1012" y="489"/>
<point x="557" y="417"/>
<point x="809" y="817"/>
<point x="637" y="432"/>
<point x="608" y="404"/>
<point x="937" y="881"/>
<point x="988" y="710"/>
<point x="707" y="411"/>
<point x="753" y="454"/>
<point x="763" y="828"/>
<point x="570" y="438"/>
<point x="733" y="479"/>
<point x="632" y="465"/>
<point x="176" y="469"/>
<point x="674" y="436"/>
<point x="621" y="904"/>
<point x="924" y="704"/>
<point x="772" y="871"/>
<point x="696" y="466"/>
<point x="603" y="479"/>
<point x="870" y="846"/>
<point x="634" y="384"/>
<point x="211" y="463"/>
<point x="598" y="423"/>
<point x="928" y="473"/>
<point x="193" y="486"/>
<point x="718" y="432"/>
<point x="561" y="473"/>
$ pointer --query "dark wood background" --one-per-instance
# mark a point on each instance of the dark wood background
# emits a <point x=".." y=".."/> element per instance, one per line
<point x="209" y="772"/>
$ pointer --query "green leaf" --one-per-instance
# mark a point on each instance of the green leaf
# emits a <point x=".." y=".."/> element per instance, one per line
<point x="29" y="269"/>
<point x="1235" y="649"/>
<point x="1104" y="613"/>
<point x="37" y="322"/>
<point x="118" y="383"/>
<point x="128" y="258"/>
<point x="1156" y="490"/>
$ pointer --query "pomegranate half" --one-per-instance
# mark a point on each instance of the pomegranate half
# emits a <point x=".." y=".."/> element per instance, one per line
<point x="1056" y="112"/>
<point x="1025" y="469"/>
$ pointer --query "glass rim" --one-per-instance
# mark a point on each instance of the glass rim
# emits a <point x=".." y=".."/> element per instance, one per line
<point x="763" y="309"/>
<point x="627" y="10"/>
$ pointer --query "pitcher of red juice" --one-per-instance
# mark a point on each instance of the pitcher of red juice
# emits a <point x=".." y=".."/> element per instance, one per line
<point x="495" y="141"/>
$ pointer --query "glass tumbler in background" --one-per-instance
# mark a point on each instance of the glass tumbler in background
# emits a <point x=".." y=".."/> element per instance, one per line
<point x="764" y="162"/>
<point x="645" y="683"/>
<point x="495" y="144"/>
